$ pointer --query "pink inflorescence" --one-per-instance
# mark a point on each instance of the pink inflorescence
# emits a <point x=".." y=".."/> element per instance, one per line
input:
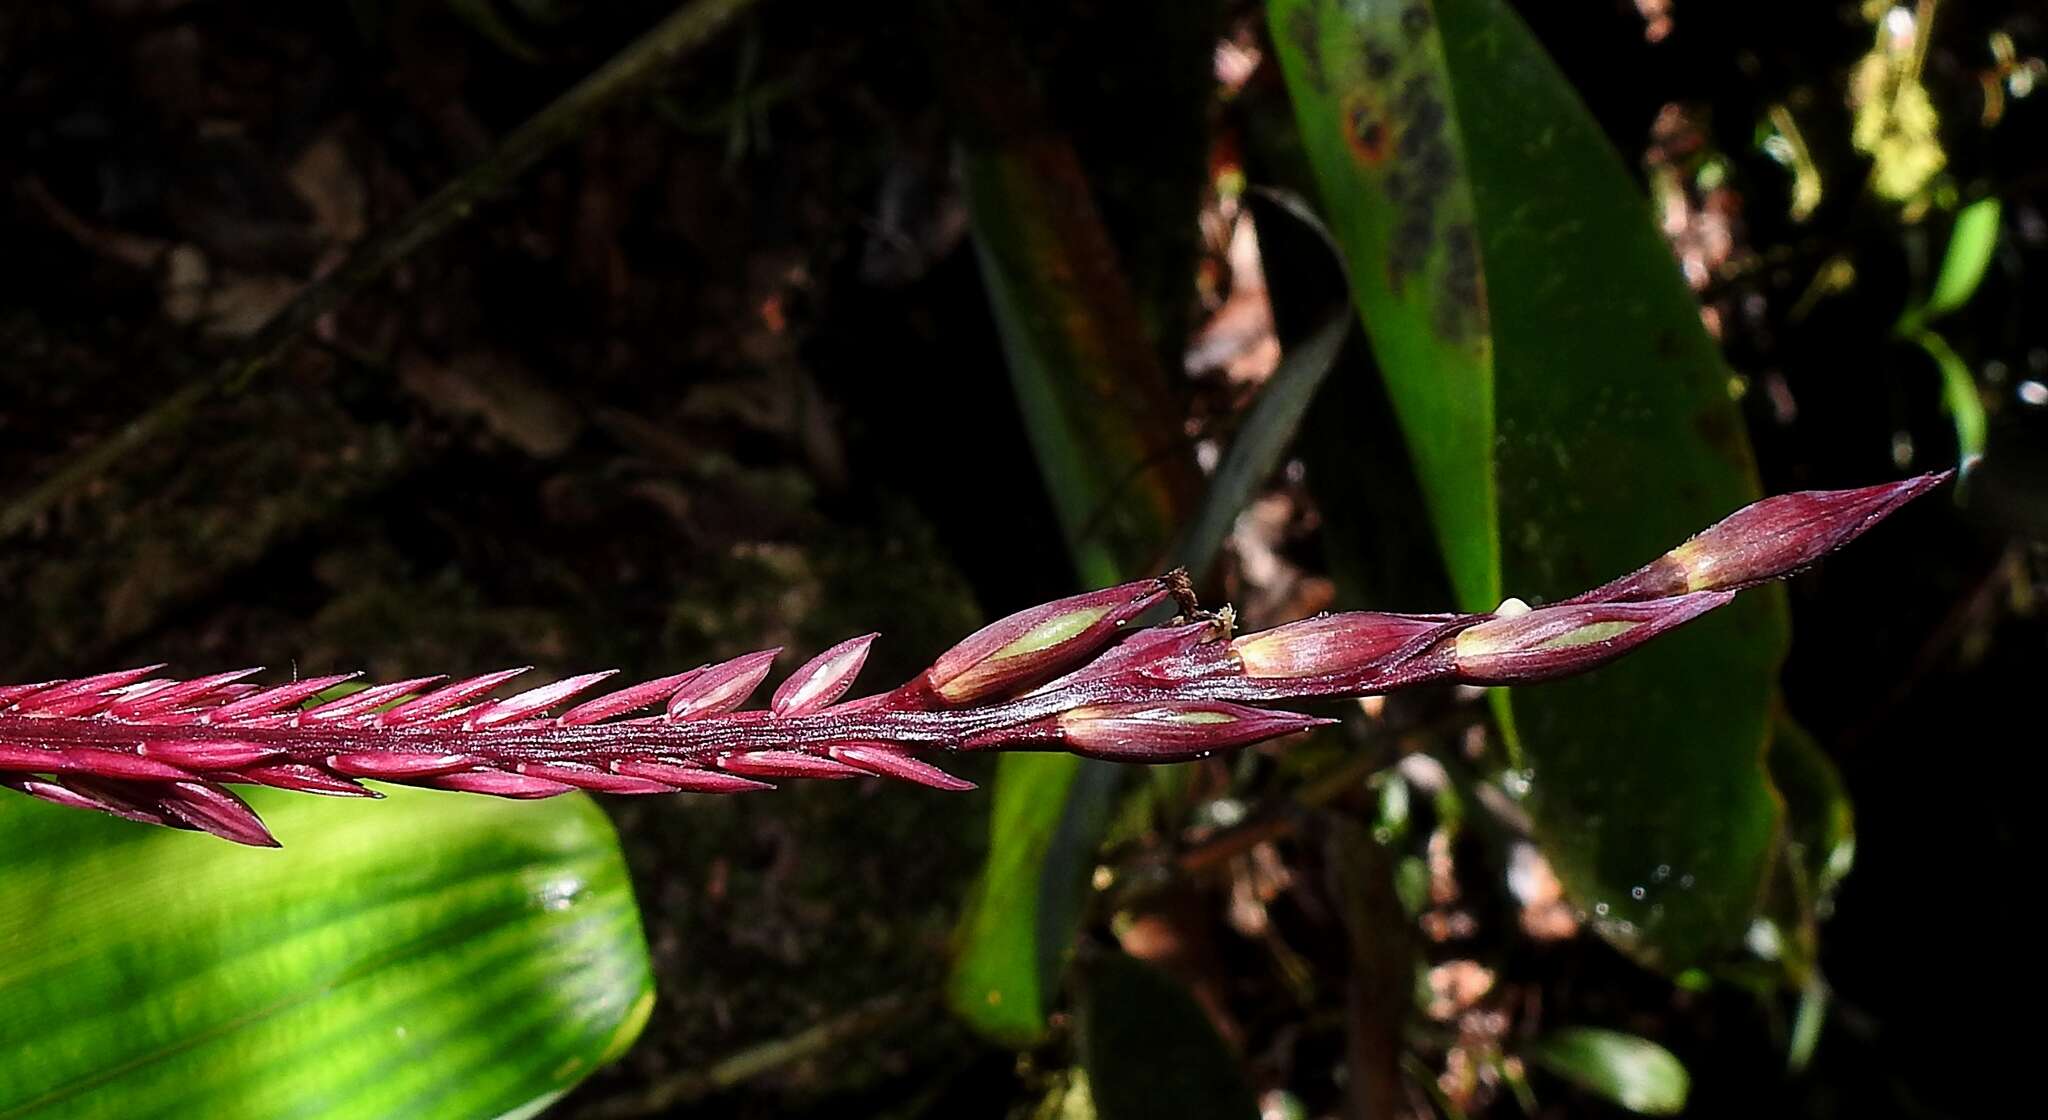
<point x="1079" y="675"/>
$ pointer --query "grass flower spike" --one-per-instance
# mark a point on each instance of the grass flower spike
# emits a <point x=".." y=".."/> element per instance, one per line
<point x="1079" y="675"/>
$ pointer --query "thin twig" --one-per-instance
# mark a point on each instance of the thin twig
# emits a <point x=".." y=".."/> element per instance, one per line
<point x="562" y="120"/>
<point x="754" y="1061"/>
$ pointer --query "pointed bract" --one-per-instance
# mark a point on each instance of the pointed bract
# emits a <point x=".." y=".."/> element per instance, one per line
<point x="1036" y="645"/>
<point x="535" y="700"/>
<point x="299" y="777"/>
<point x="691" y="779"/>
<point x="784" y="764"/>
<point x="447" y="697"/>
<point x="60" y="698"/>
<point x="1162" y="653"/>
<point x="398" y="764"/>
<point x="272" y="700"/>
<point x="584" y="776"/>
<point x="890" y="761"/>
<point x="210" y="808"/>
<point x="1569" y="638"/>
<point x="1351" y="642"/>
<point x="717" y="689"/>
<point x="121" y="764"/>
<point x="1154" y="731"/>
<point x="823" y="679"/>
<point x="358" y="705"/>
<point x="1767" y="540"/>
<point x="225" y="754"/>
<point x="646" y="694"/>
<point x="500" y="783"/>
<point x="177" y="696"/>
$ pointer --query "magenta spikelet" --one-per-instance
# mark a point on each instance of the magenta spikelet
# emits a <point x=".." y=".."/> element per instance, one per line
<point x="1074" y="675"/>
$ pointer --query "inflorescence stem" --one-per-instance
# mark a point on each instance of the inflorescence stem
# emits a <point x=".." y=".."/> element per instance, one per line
<point x="1078" y="675"/>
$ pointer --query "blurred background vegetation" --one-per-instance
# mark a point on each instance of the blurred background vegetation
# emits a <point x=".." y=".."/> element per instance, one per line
<point x="899" y="317"/>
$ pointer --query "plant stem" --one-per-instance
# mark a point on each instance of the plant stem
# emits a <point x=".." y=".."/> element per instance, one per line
<point x="687" y="28"/>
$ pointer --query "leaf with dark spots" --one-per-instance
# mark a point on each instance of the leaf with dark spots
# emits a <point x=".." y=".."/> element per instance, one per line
<point x="1548" y="369"/>
<point x="1306" y="34"/>
<point x="1388" y="214"/>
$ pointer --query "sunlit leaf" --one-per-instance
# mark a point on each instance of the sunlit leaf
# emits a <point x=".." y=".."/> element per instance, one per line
<point x="431" y="955"/>
<point x="1566" y="413"/>
<point x="1970" y="248"/>
<point x="1633" y="1072"/>
<point x="1375" y="118"/>
<point x="1959" y="396"/>
<point x="1969" y="254"/>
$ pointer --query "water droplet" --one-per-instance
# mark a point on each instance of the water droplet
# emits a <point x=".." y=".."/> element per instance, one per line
<point x="1685" y="882"/>
<point x="1600" y="909"/>
<point x="1636" y="893"/>
<point x="1662" y="873"/>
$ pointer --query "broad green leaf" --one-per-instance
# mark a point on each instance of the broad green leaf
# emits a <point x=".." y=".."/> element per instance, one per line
<point x="1631" y="1071"/>
<point x="432" y="955"/>
<point x="1149" y="1051"/>
<point x="1375" y="118"/>
<point x="1569" y="419"/>
<point x="1095" y="403"/>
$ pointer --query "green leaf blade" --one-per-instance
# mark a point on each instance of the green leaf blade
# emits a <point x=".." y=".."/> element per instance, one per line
<point x="434" y="955"/>
<point x="1097" y="407"/>
<point x="1631" y="1071"/>
<point x="1583" y="427"/>
<point x="1970" y="248"/>
<point x="1381" y="133"/>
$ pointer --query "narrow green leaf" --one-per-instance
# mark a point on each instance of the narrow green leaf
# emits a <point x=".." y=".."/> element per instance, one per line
<point x="1095" y="403"/>
<point x="1256" y="447"/>
<point x="1820" y="823"/>
<point x="1807" y="1019"/>
<point x="1094" y="400"/>
<point x="1149" y="1051"/>
<point x="483" y="18"/>
<point x="1959" y="397"/>
<point x="1631" y="1071"/>
<point x="1568" y="417"/>
<point x="1969" y="255"/>
<point x="432" y="955"/>
<point x="1819" y="847"/>
<point x="1018" y="924"/>
<point x="1963" y="266"/>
